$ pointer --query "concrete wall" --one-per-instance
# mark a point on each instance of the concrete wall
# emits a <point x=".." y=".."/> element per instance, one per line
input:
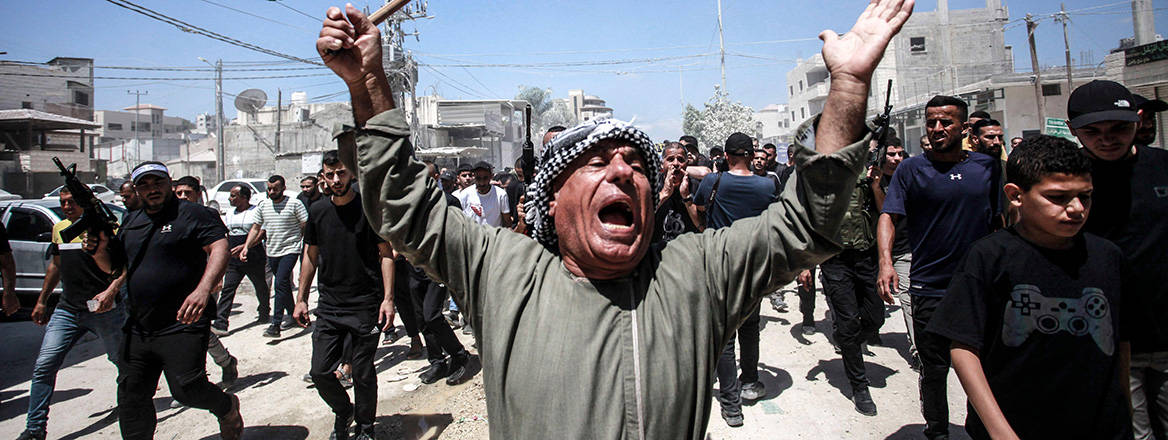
<point x="54" y="93"/>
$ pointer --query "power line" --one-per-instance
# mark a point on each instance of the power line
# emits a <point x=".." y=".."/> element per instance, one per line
<point x="579" y="63"/>
<point x="254" y="15"/>
<point x="598" y="51"/>
<point x="306" y="75"/>
<point x="187" y="27"/>
<point x="314" y="19"/>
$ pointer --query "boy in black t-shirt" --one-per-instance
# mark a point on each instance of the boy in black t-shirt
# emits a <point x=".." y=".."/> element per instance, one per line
<point x="1033" y="312"/>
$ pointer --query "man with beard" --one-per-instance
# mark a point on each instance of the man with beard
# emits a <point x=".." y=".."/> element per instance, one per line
<point x="589" y="291"/>
<point x="309" y="191"/>
<point x="356" y="299"/>
<point x="83" y="281"/>
<point x="676" y="213"/>
<point x="129" y="197"/>
<point x="1147" y="109"/>
<point x="988" y="138"/>
<point x="173" y="252"/>
<point x="1130" y="205"/>
<point x="950" y="198"/>
<point x="282" y="221"/>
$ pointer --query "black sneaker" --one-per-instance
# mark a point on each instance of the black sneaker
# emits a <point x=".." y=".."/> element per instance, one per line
<point x="390" y="336"/>
<point x="808" y="330"/>
<point x="31" y="435"/>
<point x="753" y="391"/>
<point x="435" y="371"/>
<point x="272" y="332"/>
<point x="288" y="323"/>
<point x="230" y="374"/>
<point x="733" y="421"/>
<point x="416" y="349"/>
<point x="864" y="404"/>
<point x="219" y="330"/>
<point x="341" y="428"/>
<point x="263" y="319"/>
<point x="457" y="368"/>
<point x="365" y="432"/>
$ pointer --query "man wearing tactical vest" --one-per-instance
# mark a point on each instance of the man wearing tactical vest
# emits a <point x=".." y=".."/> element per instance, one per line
<point x="849" y="283"/>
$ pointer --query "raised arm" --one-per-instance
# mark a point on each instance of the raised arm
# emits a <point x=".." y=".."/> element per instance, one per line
<point x="352" y="49"/>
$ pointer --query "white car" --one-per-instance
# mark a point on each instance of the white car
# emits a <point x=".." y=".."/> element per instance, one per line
<point x="103" y="193"/>
<point x="220" y="197"/>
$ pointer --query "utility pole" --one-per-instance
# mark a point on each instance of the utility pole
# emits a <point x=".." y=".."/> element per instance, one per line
<point x="721" y="45"/>
<point x="220" y="157"/>
<point x="137" y="102"/>
<point x="1065" y="19"/>
<point x="279" y="111"/>
<point x="1030" y="26"/>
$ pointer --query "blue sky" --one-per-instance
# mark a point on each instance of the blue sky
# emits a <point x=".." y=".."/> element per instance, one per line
<point x="766" y="36"/>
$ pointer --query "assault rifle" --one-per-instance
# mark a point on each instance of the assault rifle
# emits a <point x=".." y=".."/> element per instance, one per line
<point x="528" y="150"/>
<point x="96" y="217"/>
<point x="880" y="131"/>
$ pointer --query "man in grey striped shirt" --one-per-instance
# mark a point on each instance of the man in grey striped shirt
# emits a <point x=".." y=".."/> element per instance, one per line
<point x="282" y="219"/>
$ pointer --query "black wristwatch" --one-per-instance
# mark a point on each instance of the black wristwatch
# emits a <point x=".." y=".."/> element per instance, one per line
<point x="687" y="199"/>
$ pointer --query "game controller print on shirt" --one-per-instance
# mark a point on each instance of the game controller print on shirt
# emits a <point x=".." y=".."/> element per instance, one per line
<point x="1028" y="311"/>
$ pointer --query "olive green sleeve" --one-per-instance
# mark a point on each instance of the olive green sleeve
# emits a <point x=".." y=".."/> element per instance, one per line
<point x="408" y="209"/>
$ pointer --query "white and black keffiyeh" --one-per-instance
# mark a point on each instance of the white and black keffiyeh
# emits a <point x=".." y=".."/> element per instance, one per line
<point x="562" y="150"/>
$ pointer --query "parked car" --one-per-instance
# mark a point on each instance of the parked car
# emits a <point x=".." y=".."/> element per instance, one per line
<point x="220" y="196"/>
<point x="30" y="230"/>
<point x="5" y="195"/>
<point x="101" y="191"/>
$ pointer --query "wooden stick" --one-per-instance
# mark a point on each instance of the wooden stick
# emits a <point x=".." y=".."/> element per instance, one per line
<point x="384" y="12"/>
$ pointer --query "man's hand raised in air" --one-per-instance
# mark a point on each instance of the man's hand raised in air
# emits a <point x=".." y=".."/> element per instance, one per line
<point x="350" y="45"/>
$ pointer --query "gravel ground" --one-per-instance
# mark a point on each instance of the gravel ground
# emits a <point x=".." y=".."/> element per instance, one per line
<point x="807" y="392"/>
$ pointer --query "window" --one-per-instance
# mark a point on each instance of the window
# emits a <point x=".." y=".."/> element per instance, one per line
<point x="80" y="98"/>
<point x="792" y="115"/>
<point x="140" y="126"/>
<point x="1051" y="89"/>
<point x="25" y="104"/>
<point x="791" y="90"/>
<point x="113" y="126"/>
<point x="803" y="113"/>
<point x="800" y="85"/>
<point x="916" y="45"/>
<point x="28" y="225"/>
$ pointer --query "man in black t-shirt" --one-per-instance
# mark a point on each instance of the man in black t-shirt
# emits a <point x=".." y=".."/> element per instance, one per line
<point x="355" y="302"/>
<point x="309" y="192"/>
<point x="174" y="252"/>
<point x="1131" y="203"/>
<point x="83" y="281"/>
<point x="676" y="213"/>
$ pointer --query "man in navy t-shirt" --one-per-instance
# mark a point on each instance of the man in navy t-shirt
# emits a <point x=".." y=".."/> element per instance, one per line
<point x="950" y="198"/>
<point x="726" y="197"/>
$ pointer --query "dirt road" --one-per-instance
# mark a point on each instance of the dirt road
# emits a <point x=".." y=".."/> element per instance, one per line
<point x="807" y="393"/>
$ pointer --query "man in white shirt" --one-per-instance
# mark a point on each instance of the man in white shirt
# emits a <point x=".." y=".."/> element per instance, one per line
<point x="484" y="203"/>
<point x="282" y="219"/>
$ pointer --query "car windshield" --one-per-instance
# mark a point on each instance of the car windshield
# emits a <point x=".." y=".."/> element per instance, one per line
<point x="260" y="185"/>
<point x="118" y="211"/>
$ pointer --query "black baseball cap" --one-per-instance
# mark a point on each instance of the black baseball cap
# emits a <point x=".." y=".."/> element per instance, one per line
<point x="1151" y="105"/>
<point x="739" y="144"/>
<point x="1101" y="100"/>
<point x="482" y="165"/>
<point x="447" y="175"/>
<point x="463" y="167"/>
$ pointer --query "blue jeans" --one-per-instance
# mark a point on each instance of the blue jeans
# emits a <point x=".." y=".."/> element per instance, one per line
<point x="282" y="266"/>
<point x="64" y="329"/>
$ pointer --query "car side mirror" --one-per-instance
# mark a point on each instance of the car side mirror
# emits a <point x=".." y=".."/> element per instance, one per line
<point x="44" y="237"/>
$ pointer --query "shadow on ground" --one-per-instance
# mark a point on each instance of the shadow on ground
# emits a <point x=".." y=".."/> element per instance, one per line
<point x="270" y="432"/>
<point x="913" y="432"/>
<point x="19" y="407"/>
<point x="108" y="417"/>
<point x="834" y="371"/>
<point x="413" y="426"/>
<point x="776" y="380"/>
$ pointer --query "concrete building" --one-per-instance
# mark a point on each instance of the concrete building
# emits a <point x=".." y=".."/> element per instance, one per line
<point x="777" y="125"/>
<point x="587" y="107"/>
<point x="62" y="86"/>
<point x="147" y="120"/>
<point x="459" y="131"/>
<point x="30" y="140"/>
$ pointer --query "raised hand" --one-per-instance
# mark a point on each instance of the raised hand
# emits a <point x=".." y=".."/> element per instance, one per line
<point x="856" y="54"/>
<point x="352" y="48"/>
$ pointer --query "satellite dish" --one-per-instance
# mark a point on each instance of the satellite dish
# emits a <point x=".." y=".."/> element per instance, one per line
<point x="251" y="100"/>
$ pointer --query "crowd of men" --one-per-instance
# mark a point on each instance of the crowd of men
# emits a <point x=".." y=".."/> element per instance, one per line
<point x="1036" y="271"/>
